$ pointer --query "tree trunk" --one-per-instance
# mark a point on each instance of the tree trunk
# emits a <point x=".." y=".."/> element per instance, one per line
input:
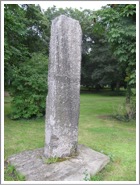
<point x="117" y="86"/>
<point x="128" y="94"/>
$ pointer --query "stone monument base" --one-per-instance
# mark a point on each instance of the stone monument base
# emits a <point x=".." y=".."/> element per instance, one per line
<point x="34" y="166"/>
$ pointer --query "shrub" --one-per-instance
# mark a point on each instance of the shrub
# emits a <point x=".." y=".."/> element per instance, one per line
<point x="29" y="87"/>
<point x="126" y="111"/>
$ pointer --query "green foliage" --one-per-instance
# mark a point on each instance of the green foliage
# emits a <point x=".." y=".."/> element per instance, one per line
<point x="99" y="67"/>
<point x="126" y="112"/>
<point x="29" y="87"/>
<point x="25" y="65"/>
<point x="108" y="50"/>
<point x="51" y="160"/>
<point x="11" y="174"/>
<point x="14" y="34"/>
<point x="120" y="23"/>
<point x="25" y="32"/>
<point x="38" y="29"/>
<point x="55" y="159"/>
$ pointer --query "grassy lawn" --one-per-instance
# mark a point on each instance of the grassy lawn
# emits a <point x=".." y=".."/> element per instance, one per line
<point x="96" y="129"/>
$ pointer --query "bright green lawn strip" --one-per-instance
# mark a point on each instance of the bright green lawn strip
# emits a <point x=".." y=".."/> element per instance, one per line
<point x="103" y="134"/>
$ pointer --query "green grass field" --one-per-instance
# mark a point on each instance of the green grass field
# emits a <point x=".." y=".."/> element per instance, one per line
<point x="97" y="130"/>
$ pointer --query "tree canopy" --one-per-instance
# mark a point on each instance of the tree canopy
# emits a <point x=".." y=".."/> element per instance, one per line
<point x="108" y="51"/>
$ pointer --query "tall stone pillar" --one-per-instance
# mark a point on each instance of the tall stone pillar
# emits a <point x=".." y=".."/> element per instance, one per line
<point x="63" y="100"/>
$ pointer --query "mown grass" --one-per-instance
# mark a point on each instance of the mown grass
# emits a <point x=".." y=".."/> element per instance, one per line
<point x="111" y="137"/>
<point x="97" y="129"/>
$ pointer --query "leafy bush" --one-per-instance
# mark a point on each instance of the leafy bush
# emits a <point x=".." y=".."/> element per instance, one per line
<point x="29" y="87"/>
<point x="126" y="111"/>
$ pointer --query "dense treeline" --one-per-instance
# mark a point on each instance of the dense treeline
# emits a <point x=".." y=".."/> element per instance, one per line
<point x="108" y="53"/>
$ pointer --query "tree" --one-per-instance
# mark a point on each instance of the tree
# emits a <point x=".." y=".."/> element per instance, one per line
<point x="14" y="34"/>
<point x="25" y="32"/>
<point x="99" y="66"/>
<point x="120" y="24"/>
<point x="108" y="52"/>
<point x="38" y="29"/>
<point x="96" y="54"/>
<point x="29" y="87"/>
<point x="26" y="60"/>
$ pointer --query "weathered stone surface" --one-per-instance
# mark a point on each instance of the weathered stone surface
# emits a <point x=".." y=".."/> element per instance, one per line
<point x="33" y="166"/>
<point x="63" y="100"/>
